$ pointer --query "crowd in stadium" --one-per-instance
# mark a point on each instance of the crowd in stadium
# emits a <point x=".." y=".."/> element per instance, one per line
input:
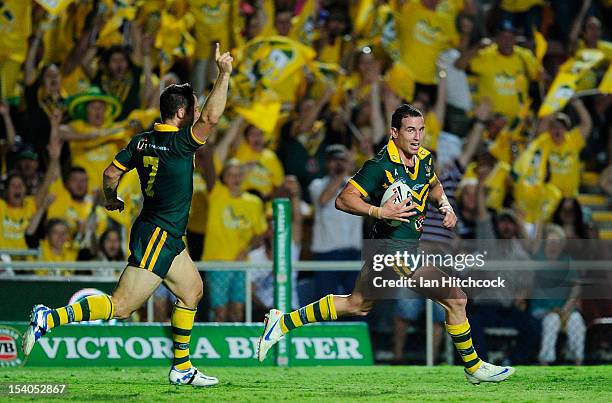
<point x="311" y="95"/>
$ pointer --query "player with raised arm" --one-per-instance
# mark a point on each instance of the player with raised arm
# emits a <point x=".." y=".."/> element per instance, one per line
<point x="164" y="161"/>
<point x="402" y="159"/>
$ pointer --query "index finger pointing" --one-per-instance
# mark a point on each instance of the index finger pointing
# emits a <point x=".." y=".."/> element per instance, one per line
<point x="217" y="51"/>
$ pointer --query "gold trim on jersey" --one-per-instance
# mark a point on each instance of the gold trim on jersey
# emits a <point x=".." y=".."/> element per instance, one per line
<point x="163" y="127"/>
<point x="193" y="136"/>
<point x="394" y="156"/>
<point x="358" y="186"/>
<point x="119" y="165"/>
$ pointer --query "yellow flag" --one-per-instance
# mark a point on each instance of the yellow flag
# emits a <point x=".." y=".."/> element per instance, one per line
<point x="303" y="25"/>
<point x="401" y="80"/>
<point x="264" y="64"/>
<point x="570" y="74"/>
<point x="262" y="115"/>
<point x="364" y="16"/>
<point x="541" y="46"/>
<point x="54" y="7"/>
<point x="173" y="39"/>
<point x="605" y="86"/>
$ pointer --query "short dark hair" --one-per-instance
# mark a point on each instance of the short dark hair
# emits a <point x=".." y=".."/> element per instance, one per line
<point x="72" y="170"/>
<point x="107" y="53"/>
<point x="174" y="97"/>
<point x="12" y="175"/>
<point x="52" y="222"/>
<point x="404" y="111"/>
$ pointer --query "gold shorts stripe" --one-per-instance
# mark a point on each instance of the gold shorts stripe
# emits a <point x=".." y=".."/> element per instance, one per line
<point x="143" y="262"/>
<point x="158" y="249"/>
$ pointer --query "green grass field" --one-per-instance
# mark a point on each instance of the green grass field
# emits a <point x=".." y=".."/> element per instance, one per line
<point x="380" y="383"/>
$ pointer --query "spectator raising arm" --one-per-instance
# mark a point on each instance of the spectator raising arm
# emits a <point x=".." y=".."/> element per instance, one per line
<point x="577" y="26"/>
<point x="586" y="122"/>
<point x="305" y="125"/>
<point x="483" y="113"/>
<point x="11" y="134"/>
<point x="464" y="60"/>
<point x="30" y="73"/>
<point x="53" y="170"/>
<point x="230" y="138"/>
<point x="439" y="108"/>
<point x="376" y="114"/>
<point x="215" y="104"/>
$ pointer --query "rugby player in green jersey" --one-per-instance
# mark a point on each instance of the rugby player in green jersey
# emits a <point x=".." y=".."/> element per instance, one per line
<point x="164" y="161"/>
<point x="403" y="159"/>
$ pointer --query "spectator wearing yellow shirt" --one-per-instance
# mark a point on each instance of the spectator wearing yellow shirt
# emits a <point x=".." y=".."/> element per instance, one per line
<point x="19" y="209"/>
<point x="332" y="46"/>
<point x="213" y="23"/>
<point x="94" y="138"/>
<point x="591" y="33"/>
<point x="56" y="247"/>
<point x="424" y="31"/>
<point x="236" y="225"/>
<point x="555" y="154"/>
<point x="120" y="77"/>
<point x="263" y="170"/>
<point x="73" y="204"/>
<point x="15" y="29"/>
<point x="503" y="70"/>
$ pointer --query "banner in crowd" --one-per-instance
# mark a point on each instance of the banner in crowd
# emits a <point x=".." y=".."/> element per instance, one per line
<point x="572" y="77"/>
<point x="131" y="345"/>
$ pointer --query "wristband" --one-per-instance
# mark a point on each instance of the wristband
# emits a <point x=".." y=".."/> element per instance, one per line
<point x="375" y="212"/>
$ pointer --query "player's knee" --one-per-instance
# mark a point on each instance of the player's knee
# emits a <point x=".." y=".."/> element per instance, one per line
<point x="457" y="303"/>
<point x="193" y="297"/>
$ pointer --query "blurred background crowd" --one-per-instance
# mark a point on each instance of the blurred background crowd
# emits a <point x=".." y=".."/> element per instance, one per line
<point x="516" y="98"/>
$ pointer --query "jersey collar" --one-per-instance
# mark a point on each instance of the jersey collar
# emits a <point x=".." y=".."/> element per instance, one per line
<point x="393" y="152"/>
<point x="395" y="157"/>
<point x="162" y="127"/>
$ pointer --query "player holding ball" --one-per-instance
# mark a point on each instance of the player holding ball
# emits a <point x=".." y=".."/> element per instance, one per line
<point x="402" y="173"/>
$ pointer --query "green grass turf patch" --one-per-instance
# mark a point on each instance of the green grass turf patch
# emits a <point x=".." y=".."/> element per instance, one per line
<point x="323" y="384"/>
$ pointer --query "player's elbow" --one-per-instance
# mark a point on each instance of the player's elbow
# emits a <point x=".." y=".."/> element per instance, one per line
<point x="343" y="201"/>
<point x="210" y="119"/>
<point x="340" y="203"/>
<point x="112" y="173"/>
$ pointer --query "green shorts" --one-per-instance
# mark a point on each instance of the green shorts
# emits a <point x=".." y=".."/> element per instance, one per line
<point x="152" y="248"/>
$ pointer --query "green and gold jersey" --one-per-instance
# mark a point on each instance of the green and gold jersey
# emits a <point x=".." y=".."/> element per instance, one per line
<point x="164" y="161"/>
<point x="378" y="173"/>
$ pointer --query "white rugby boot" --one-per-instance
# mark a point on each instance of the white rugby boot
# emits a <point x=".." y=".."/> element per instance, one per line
<point x="191" y="377"/>
<point x="489" y="373"/>
<point x="272" y="333"/>
<point x="36" y="329"/>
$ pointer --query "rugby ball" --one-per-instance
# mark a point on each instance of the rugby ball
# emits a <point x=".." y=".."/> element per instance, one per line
<point x="401" y="191"/>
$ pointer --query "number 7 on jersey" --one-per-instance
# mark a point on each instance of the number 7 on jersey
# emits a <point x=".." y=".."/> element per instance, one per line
<point x="153" y="162"/>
